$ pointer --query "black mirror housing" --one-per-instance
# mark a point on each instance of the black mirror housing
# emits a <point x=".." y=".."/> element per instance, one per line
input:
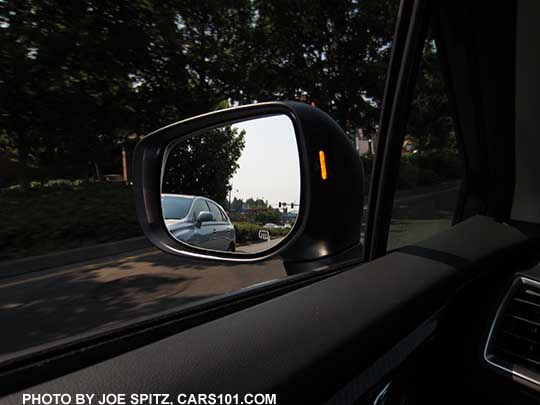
<point x="331" y="179"/>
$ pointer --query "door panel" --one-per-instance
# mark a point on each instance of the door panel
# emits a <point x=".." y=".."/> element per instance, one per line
<point x="203" y="234"/>
<point x="220" y="240"/>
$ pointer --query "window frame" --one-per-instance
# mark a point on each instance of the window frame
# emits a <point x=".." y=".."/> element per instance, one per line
<point x="210" y="204"/>
<point x="223" y="214"/>
<point x="484" y="114"/>
<point x="399" y="91"/>
<point x="197" y="200"/>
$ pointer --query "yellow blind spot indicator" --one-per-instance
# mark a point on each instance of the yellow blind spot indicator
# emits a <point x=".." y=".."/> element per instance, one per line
<point x="323" y="165"/>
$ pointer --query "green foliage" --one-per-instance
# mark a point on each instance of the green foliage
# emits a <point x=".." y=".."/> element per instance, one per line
<point x="424" y="168"/>
<point x="249" y="232"/>
<point x="204" y="164"/>
<point x="236" y="204"/>
<point x="430" y="124"/>
<point x="60" y="215"/>
<point x="256" y="211"/>
<point x="334" y="54"/>
<point x="67" y="87"/>
<point x="267" y="216"/>
<point x="260" y="217"/>
<point x="246" y="231"/>
<point x="80" y="78"/>
<point x="445" y="162"/>
<point x="429" y="168"/>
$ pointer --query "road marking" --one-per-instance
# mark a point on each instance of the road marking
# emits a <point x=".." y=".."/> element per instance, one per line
<point x="96" y="266"/>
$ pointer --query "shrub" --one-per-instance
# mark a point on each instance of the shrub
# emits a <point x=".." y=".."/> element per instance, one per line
<point x="408" y="175"/>
<point x="445" y="163"/>
<point x="249" y="232"/>
<point x="429" y="168"/>
<point x="246" y="232"/>
<point x="64" y="214"/>
<point x="427" y="177"/>
<point x="62" y="183"/>
<point x="278" y="232"/>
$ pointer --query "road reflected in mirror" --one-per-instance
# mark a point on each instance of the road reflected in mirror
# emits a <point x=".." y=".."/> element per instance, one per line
<point x="233" y="188"/>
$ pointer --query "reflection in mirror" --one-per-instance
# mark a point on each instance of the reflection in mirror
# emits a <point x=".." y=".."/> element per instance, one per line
<point x="233" y="188"/>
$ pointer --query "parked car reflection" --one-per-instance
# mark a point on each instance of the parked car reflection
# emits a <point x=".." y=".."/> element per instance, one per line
<point x="198" y="221"/>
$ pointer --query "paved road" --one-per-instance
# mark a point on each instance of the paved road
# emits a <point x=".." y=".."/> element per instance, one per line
<point x="258" y="247"/>
<point x="45" y="306"/>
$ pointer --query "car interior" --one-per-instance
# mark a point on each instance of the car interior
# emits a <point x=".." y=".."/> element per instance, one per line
<point x="454" y="318"/>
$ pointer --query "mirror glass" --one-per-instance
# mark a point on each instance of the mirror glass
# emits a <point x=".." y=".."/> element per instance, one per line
<point x="233" y="188"/>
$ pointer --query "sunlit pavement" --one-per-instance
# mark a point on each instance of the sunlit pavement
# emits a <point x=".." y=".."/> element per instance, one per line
<point x="44" y="306"/>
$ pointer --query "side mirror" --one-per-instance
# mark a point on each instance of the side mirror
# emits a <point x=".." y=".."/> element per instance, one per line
<point x="204" y="216"/>
<point x="285" y="163"/>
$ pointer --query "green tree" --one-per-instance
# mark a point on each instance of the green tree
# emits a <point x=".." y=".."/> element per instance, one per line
<point x="257" y="210"/>
<point x="194" y="64"/>
<point x="333" y="54"/>
<point x="430" y="124"/>
<point x="264" y="216"/>
<point x="79" y="78"/>
<point x="66" y="84"/>
<point x="236" y="204"/>
<point x="256" y="203"/>
<point x="204" y="164"/>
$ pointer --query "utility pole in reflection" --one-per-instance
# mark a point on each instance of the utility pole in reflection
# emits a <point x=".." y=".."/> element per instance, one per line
<point x="124" y="165"/>
<point x="230" y="196"/>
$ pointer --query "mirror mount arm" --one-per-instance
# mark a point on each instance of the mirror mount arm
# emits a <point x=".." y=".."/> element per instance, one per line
<point x="349" y="257"/>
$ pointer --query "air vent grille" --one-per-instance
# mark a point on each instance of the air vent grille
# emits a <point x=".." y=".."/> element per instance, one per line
<point x="514" y="341"/>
